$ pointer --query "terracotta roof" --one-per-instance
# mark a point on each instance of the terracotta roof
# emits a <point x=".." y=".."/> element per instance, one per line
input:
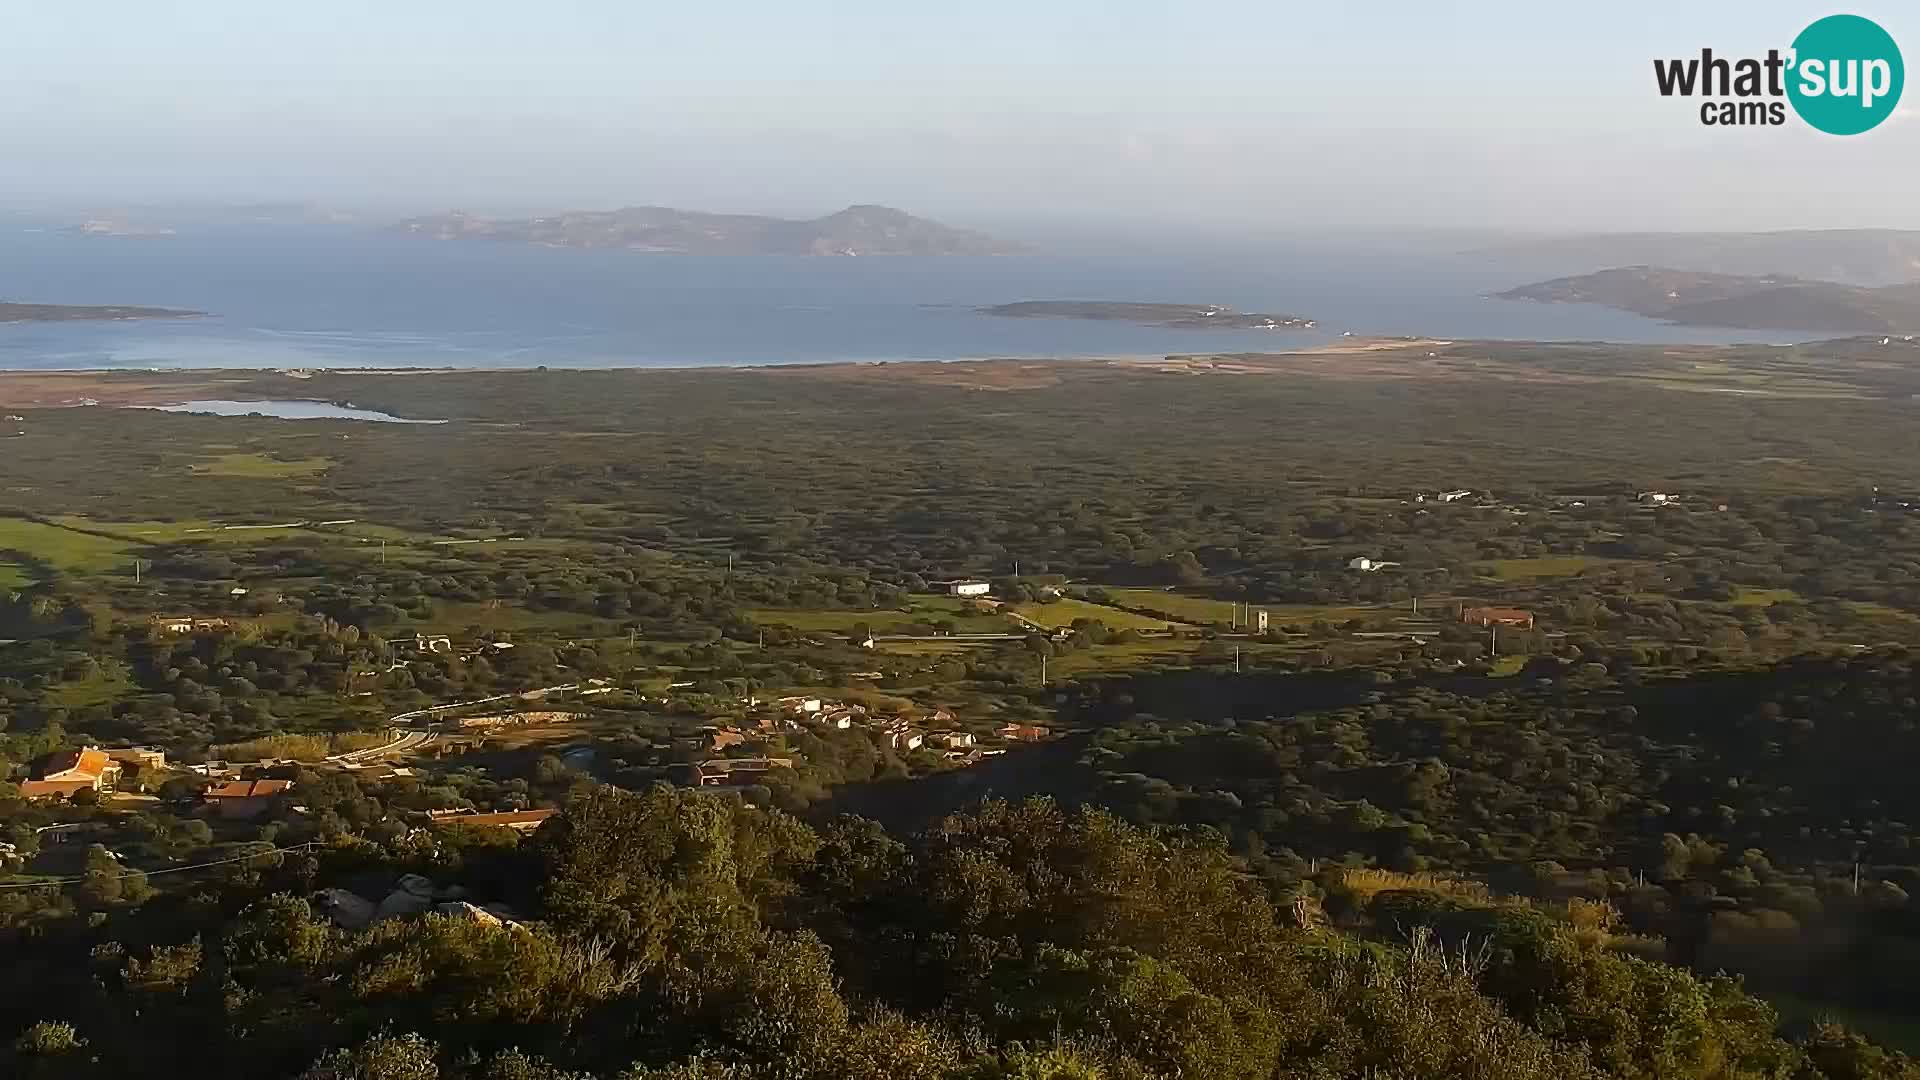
<point x="53" y="789"/>
<point x="247" y="789"/>
<point x="88" y="762"/>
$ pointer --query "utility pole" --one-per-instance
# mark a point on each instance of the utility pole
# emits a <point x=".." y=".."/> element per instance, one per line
<point x="1416" y="603"/>
<point x="136" y="571"/>
<point x="1236" y="659"/>
<point x="383" y="553"/>
<point x="1043" y="681"/>
<point x="1494" y="649"/>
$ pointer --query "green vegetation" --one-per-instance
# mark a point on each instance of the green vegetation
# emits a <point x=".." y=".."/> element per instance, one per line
<point x="38" y="549"/>
<point x="1692" y="762"/>
<point x="1065" y="610"/>
<point x="1540" y="567"/>
<point x="257" y="465"/>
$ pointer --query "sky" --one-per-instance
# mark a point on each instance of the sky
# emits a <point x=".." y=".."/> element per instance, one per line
<point x="1256" y="115"/>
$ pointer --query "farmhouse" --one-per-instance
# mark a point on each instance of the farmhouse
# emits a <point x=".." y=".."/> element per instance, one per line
<point x="244" y="798"/>
<point x="89" y="765"/>
<point x="54" y="789"/>
<point x="968" y="588"/>
<point x="187" y="624"/>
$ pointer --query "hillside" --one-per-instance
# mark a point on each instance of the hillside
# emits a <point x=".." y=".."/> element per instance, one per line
<point x="857" y="230"/>
<point x="1854" y="256"/>
<point x="1761" y="303"/>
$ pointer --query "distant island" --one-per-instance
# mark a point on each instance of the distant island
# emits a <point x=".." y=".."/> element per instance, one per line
<point x="1770" y="302"/>
<point x="857" y="230"/>
<point x="124" y="229"/>
<point x="17" y="313"/>
<point x="1210" y="316"/>
<point x="1855" y="256"/>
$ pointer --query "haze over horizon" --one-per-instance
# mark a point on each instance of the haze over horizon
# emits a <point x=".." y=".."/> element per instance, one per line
<point x="1428" y="116"/>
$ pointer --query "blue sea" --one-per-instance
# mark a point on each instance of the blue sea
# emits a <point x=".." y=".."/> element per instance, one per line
<point x="340" y="296"/>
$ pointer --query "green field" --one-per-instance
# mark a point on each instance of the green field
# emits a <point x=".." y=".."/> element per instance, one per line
<point x="1545" y="566"/>
<point x="1064" y="611"/>
<point x="1193" y="609"/>
<point x="260" y="466"/>
<point x="1204" y="610"/>
<point x="57" y="548"/>
<point x="922" y="609"/>
<point x="1748" y="597"/>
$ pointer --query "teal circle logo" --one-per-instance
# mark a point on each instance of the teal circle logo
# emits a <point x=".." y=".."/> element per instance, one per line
<point x="1846" y="75"/>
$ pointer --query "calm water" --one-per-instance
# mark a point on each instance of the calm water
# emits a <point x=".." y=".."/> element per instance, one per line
<point x="335" y="297"/>
<point x="285" y="410"/>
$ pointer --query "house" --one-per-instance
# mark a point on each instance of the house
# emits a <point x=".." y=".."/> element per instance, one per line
<point x="517" y="820"/>
<point x="90" y="765"/>
<point x="905" y="739"/>
<point x="737" y="772"/>
<point x="1022" y="732"/>
<point x="187" y="624"/>
<point x="1657" y="498"/>
<point x="800" y="705"/>
<point x="952" y="740"/>
<point x="432" y="643"/>
<point x="54" y="789"/>
<point x="141" y="758"/>
<point x="1454" y="496"/>
<point x="720" y="739"/>
<point x="244" y="798"/>
<point x="1497" y="616"/>
<point x="968" y="588"/>
<point x="1362" y="563"/>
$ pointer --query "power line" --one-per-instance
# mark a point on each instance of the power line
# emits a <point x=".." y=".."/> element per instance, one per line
<point x="50" y="882"/>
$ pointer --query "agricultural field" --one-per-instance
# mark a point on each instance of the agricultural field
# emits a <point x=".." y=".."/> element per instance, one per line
<point x="1206" y="611"/>
<point x="30" y="548"/>
<point x="1548" y="566"/>
<point x="965" y="617"/>
<point x="1064" y="611"/>
<point x="1191" y="609"/>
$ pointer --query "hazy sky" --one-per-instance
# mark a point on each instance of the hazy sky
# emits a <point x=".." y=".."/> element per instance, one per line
<point x="1526" y="115"/>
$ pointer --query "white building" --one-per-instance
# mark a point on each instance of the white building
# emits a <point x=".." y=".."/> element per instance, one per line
<point x="1363" y="563"/>
<point x="969" y="588"/>
<point x="1454" y="496"/>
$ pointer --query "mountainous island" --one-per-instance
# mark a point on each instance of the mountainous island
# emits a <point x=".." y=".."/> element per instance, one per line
<point x="1854" y="256"/>
<point x="857" y="230"/>
<point x="1771" y="302"/>
<point x="1185" y="316"/>
<point x="16" y="313"/>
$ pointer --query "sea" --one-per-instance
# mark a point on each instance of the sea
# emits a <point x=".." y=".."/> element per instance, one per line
<point x="328" y="296"/>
